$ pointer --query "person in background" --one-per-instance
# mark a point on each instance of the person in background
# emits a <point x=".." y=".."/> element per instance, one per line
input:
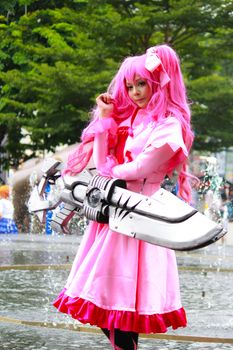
<point x="7" y="223"/>
<point x="140" y="132"/>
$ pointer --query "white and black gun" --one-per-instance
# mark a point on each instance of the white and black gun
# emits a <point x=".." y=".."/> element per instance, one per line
<point x="162" y="219"/>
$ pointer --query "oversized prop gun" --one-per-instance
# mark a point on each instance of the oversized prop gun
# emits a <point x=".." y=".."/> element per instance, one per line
<point x="162" y="219"/>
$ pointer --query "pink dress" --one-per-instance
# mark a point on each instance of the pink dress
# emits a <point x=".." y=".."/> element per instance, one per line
<point x="117" y="281"/>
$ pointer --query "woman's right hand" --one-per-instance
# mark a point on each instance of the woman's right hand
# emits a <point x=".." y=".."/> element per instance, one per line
<point x="105" y="105"/>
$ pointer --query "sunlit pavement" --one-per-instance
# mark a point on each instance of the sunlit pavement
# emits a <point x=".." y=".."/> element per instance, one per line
<point x="34" y="269"/>
<point x="229" y="236"/>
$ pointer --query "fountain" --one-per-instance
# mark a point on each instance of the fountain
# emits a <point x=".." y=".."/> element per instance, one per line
<point x="34" y="268"/>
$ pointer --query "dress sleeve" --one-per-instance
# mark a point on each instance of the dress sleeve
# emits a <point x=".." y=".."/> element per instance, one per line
<point x="169" y="132"/>
<point x="100" y="150"/>
<point x="98" y="126"/>
<point x="147" y="162"/>
<point x="164" y="148"/>
<point x="104" y="132"/>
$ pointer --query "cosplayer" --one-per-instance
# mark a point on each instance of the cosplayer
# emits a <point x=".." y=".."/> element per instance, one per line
<point x="7" y="223"/>
<point x="140" y="132"/>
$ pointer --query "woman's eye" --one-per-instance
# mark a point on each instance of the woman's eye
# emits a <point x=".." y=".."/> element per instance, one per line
<point x="142" y="83"/>
<point x="129" y="87"/>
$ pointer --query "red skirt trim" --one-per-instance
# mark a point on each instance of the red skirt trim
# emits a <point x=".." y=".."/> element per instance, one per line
<point x="87" y="312"/>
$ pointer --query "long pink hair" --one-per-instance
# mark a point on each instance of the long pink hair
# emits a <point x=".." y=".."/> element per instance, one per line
<point x="166" y="100"/>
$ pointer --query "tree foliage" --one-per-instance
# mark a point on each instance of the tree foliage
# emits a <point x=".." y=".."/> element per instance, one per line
<point x="56" y="56"/>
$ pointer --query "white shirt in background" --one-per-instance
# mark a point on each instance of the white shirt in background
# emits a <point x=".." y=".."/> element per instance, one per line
<point x="6" y="209"/>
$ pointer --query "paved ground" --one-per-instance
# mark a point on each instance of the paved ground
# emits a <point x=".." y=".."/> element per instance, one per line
<point x="229" y="236"/>
<point x="28" y="321"/>
<point x="230" y="233"/>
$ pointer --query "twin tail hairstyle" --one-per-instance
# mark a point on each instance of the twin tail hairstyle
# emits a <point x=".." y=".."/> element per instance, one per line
<point x="160" y="66"/>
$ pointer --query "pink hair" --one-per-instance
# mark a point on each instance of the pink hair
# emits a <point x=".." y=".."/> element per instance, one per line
<point x="167" y="100"/>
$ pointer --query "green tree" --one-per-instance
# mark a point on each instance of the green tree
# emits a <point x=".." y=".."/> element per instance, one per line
<point x="201" y="32"/>
<point x="50" y="70"/>
<point x="55" y="56"/>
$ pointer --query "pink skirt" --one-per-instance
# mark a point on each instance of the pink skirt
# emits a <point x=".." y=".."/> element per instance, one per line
<point x="120" y="282"/>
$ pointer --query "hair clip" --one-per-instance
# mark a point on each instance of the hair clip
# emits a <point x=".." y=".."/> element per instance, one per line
<point x="153" y="62"/>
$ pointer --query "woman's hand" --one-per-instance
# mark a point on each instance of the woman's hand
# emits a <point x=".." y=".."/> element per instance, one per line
<point x="105" y="105"/>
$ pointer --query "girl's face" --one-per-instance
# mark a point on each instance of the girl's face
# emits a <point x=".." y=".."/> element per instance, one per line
<point x="139" y="91"/>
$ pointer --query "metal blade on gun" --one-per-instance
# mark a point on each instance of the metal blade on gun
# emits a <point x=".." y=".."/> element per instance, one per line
<point x="162" y="219"/>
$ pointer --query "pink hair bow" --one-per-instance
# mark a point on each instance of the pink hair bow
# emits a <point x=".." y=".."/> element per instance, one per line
<point x="153" y="63"/>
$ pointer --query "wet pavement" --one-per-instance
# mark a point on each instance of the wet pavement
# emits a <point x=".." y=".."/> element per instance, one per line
<point x="33" y="338"/>
<point x="34" y="269"/>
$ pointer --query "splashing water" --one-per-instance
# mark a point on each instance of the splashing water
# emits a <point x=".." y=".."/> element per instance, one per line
<point x="77" y="225"/>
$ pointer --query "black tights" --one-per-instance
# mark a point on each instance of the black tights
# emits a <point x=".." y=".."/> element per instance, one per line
<point x="122" y="340"/>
